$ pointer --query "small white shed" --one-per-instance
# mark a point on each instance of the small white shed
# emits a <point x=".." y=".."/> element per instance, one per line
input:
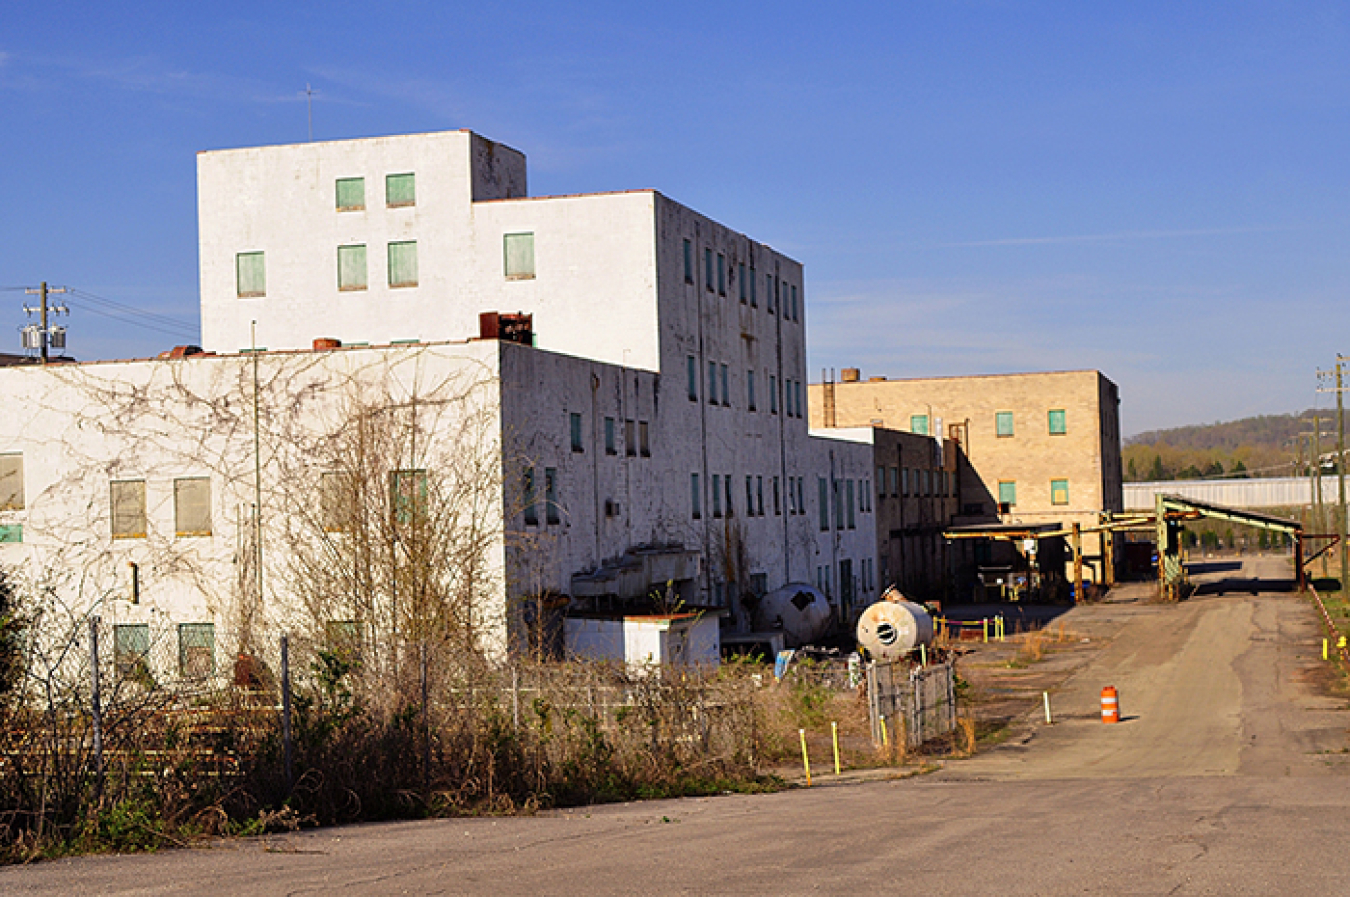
<point x="688" y="639"/>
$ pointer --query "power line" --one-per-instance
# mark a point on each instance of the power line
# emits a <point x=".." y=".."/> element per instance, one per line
<point x="165" y="320"/>
<point x="177" y="331"/>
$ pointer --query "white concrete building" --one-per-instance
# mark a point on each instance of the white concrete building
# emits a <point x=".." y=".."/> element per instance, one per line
<point x="652" y="439"/>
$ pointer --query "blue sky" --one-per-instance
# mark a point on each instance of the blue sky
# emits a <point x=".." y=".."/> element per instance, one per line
<point x="1157" y="190"/>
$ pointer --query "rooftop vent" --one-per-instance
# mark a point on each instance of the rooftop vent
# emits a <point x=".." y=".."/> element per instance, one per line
<point x="850" y="375"/>
<point x="326" y="343"/>
<point x="517" y="328"/>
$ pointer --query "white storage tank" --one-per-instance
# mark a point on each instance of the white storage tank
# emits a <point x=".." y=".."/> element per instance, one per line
<point x="800" y="611"/>
<point x="893" y="627"/>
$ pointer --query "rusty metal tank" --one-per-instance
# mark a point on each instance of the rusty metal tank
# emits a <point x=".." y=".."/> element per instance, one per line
<point x="893" y="627"/>
<point x="800" y="611"/>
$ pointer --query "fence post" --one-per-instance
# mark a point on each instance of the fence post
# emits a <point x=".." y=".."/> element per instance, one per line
<point x="95" y="702"/>
<point x="426" y="726"/>
<point x="286" y="712"/>
<point x="515" y="698"/>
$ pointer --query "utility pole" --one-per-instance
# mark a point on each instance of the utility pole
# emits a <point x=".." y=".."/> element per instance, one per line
<point x="44" y="333"/>
<point x="1339" y="389"/>
<point x="309" y="93"/>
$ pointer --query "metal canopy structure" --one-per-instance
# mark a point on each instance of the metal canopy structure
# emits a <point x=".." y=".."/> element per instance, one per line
<point x="1171" y="511"/>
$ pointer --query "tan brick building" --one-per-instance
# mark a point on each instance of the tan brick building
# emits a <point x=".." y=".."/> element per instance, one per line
<point x="1034" y="448"/>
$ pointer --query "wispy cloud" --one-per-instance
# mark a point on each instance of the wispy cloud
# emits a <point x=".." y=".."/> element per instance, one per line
<point x="1120" y="237"/>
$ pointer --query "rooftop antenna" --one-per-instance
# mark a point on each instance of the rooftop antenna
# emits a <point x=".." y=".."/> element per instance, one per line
<point x="309" y="93"/>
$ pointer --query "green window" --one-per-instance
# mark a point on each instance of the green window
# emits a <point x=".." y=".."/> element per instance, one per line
<point x="192" y="506"/>
<point x="351" y="194"/>
<point x="403" y="264"/>
<point x="250" y="274"/>
<point x="196" y="649"/>
<point x="408" y="496"/>
<point x="519" y="250"/>
<point x="1007" y="493"/>
<point x="1057" y="422"/>
<point x="399" y="190"/>
<point x="576" y="433"/>
<point x="11" y="532"/>
<point x="128" y="509"/>
<point x="1003" y="423"/>
<point x="131" y="649"/>
<point x="351" y="267"/>
<point x="918" y="423"/>
<point x="1059" y="492"/>
<point x="11" y="482"/>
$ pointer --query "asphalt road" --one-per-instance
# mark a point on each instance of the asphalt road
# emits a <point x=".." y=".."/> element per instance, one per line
<point x="1227" y="777"/>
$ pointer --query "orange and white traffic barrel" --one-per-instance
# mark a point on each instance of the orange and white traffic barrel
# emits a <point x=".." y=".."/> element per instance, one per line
<point x="1110" y="705"/>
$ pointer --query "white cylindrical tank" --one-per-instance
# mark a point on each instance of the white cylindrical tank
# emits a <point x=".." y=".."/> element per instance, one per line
<point x="893" y="627"/>
<point x="800" y="611"/>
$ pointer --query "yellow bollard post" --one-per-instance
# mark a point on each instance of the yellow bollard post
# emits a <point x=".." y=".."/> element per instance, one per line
<point x="834" y="735"/>
<point x="986" y="630"/>
<point x="806" y="759"/>
<point x="923" y="655"/>
<point x="1324" y="649"/>
<point x="885" y="742"/>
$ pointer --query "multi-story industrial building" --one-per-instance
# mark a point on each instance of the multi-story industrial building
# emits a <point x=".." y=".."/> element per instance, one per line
<point x="1035" y="449"/>
<point x="643" y="397"/>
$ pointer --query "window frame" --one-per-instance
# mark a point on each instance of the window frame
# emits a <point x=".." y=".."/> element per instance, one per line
<point x="360" y="184"/>
<point x="508" y="240"/>
<point x="399" y="246"/>
<point x="1063" y="422"/>
<point x="1003" y="424"/>
<point x="389" y="180"/>
<point x="1007" y="488"/>
<point x="1058" y="486"/>
<point x="250" y="257"/>
<point x="347" y="256"/>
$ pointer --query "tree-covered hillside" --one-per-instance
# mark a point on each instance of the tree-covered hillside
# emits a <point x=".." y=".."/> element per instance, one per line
<point x="1269" y="445"/>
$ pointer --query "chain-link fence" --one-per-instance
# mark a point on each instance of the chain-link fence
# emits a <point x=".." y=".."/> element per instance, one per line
<point x="911" y="703"/>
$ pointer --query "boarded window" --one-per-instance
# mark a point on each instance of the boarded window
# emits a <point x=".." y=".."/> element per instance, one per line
<point x="196" y="650"/>
<point x="519" y="249"/>
<point x="131" y="649"/>
<point x="576" y="433"/>
<point x="250" y="274"/>
<point x="336" y="502"/>
<point x="695" y="496"/>
<point x="351" y="267"/>
<point x="551" y="506"/>
<point x="11" y="482"/>
<point x="1059" y="492"/>
<point x="1003" y="423"/>
<point x="1007" y="493"/>
<point x="403" y="264"/>
<point x="408" y="497"/>
<point x="192" y="506"/>
<point x="11" y="532"/>
<point x="824" y="499"/>
<point x="351" y="194"/>
<point x="128" y="509"/>
<point x="527" y="497"/>
<point x="1058" y="425"/>
<point x="399" y="190"/>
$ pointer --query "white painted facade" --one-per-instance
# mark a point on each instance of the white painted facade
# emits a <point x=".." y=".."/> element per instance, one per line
<point x="685" y="335"/>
